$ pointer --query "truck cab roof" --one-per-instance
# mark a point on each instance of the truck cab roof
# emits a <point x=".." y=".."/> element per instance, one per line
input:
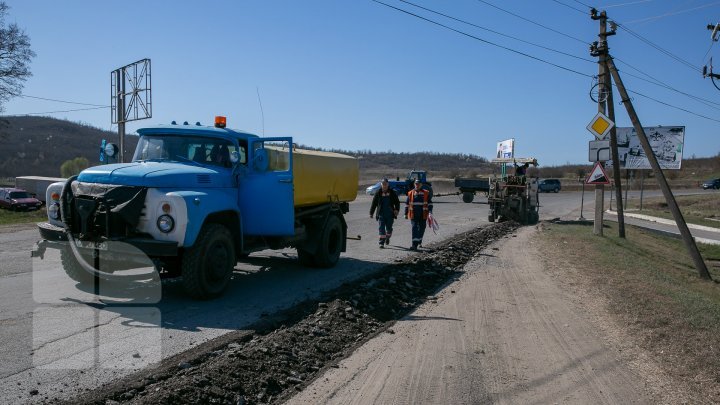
<point x="194" y="130"/>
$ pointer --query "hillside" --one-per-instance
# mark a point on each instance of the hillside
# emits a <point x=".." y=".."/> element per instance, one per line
<point x="37" y="146"/>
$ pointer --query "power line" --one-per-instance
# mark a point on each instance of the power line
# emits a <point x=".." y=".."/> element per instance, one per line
<point x="570" y="7"/>
<point x="582" y="4"/>
<point x="673" y="106"/>
<point x="660" y="83"/>
<point x="64" y="111"/>
<point x="536" y="58"/>
<point x="497" y="32"/>
<point x="61" y="101"/>
<point x="630" y="3"/>
<point x="533" y="22"/>
<point x="659" y="48"/>
<point x="672" y="13"/>
<point x="483" y="40"/>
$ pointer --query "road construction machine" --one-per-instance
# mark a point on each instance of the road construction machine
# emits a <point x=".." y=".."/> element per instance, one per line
<point x="510" y="197"/>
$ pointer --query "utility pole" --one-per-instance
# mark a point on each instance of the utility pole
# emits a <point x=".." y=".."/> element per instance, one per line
<point x="602" y="85"/>
<point x="614" y="150"/>
<point x="120" y="86"/>
<point x="669" y="198"/>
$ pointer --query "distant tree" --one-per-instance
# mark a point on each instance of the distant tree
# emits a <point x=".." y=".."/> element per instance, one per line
<point x="72" y="167"/>
<point x="15" y="56"/>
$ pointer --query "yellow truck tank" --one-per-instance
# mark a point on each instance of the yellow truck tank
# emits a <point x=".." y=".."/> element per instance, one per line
<point x="318" y="177"/>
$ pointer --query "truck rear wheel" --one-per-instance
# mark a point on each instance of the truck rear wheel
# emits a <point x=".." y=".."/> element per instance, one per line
<point x="72" y="267"/>
<point x="305" y="258"/>
<point x="208" y="265"/>
<point x="328" y="252"/>
<point x="468" y="197"/>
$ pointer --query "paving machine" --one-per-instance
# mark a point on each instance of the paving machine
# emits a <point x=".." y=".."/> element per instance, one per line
<point x="514" y="197"/>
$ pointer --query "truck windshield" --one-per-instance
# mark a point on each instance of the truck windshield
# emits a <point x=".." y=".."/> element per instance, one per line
<point x="202" y="150"/>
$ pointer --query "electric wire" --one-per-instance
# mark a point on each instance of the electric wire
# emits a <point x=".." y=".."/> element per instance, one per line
<point x="64" y="111"/>
<point x="658" y="47"/>
<point x="60" y="101"/>
<point x="630" y="3"/>
<point x="582" y="4"/>
<point x="483" y="40"/>
<point x="672" y="13"/>
<point x="497" y="32"/>
<point x="672" y="106"/>
<point x="570" y="7"/>
<point x="541" y="60"/>
<point x="704" y="59"/>
<point x="533" y="22"/>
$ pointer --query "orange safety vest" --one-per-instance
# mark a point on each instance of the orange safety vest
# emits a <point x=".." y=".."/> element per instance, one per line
<point x="411" y="203"/>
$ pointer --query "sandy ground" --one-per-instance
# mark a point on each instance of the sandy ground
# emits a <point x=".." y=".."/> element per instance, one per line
<point x="505" y="332"/>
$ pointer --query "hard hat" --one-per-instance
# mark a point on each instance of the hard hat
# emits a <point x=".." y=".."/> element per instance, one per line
<point x="417" y="181"/>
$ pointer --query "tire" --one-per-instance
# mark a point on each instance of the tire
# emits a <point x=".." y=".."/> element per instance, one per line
<point x="557" y="190"/>
<point x="208" y="265"/>
<point x="468" y="197"/>
<point x="305" y="258"/>
<point x="328" y="252"/>
<point x="491" y="218"/>
<point x="73" y="269"/>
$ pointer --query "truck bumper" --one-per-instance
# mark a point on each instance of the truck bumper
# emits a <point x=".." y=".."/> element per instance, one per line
<point x="55" y="236"/>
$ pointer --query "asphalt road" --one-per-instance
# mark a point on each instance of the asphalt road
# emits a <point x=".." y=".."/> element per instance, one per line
<point x="59" y="339"/>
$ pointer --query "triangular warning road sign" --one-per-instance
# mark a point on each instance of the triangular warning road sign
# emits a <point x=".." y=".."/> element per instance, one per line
<point x="598" y="175"/>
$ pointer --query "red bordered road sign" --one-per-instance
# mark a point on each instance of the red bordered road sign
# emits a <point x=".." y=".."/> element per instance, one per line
<point x="598" y="175"/>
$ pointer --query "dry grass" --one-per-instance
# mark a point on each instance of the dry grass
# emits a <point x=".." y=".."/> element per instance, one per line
<point x="8" y="217"/>
<point x="695" y="208"/>
<point x="653" y="290"/>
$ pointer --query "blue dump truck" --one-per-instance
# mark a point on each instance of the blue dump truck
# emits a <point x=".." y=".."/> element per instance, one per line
<point x="194" y="201"/>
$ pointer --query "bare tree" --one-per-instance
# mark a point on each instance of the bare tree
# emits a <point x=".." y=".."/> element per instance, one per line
<point x="15" y="56"/>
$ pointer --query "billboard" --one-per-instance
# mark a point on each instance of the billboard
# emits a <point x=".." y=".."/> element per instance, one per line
<point x="666" y="142"/>
<point x="506" y="149"/>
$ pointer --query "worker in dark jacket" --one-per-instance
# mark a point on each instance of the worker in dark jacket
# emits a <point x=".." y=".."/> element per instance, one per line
<point x="418" y="206"/>
<point x="388" y="205"/>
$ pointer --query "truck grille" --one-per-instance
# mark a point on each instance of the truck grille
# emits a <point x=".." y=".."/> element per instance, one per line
<point x="105" y="210"/>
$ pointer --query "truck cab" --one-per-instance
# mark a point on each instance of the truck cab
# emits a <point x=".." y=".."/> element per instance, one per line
<point x="197" y="199"/>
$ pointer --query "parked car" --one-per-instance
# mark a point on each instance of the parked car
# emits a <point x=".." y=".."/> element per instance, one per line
<point x="712" y="183"/>
<point x="548" y="185"/>
<point x="373" y="189"/>
<point x="17" y="199"/>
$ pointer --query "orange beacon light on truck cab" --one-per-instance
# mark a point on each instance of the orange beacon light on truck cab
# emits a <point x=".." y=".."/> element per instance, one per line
<point x="220" y="121"/>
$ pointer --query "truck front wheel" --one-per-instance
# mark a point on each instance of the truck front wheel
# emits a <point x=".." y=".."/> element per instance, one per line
<point x="328" y="252"/>
<point x="468" y="197"/>
<point x="72" y="267"/>
<point x="208" y="265"/>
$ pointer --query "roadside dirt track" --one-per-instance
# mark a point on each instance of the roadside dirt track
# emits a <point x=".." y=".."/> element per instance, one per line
<point x="504" y="332"/>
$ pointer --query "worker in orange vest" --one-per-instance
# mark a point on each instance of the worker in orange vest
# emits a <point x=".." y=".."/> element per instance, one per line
<point x="417" y="207"/>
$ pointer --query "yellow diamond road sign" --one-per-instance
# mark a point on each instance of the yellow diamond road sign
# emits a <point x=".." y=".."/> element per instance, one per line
<point x="600" y="126"/>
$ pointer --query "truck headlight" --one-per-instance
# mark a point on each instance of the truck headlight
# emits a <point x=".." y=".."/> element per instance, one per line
<point x="54" y="211"/>
<point x="165" y="223"/>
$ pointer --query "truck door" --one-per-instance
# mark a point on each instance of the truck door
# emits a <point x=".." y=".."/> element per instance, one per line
<point x="266" y="191"/>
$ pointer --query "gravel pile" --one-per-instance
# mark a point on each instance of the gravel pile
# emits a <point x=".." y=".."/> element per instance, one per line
<point x="283" y="353"/>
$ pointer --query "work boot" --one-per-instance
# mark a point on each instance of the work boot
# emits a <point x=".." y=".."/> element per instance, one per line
<point x="413" y="247"/>
<point x="382" y="246"/>
<point x="387" y="241"/>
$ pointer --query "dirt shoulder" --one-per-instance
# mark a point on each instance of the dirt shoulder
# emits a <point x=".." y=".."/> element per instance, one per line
<point x="644" y="296"/>
<point x="504" y="332"/>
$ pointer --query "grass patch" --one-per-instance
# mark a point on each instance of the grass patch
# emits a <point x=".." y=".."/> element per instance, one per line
<point x="653" y="289"/>
<point x="8" y="217"/>
<point x="695" y="208"/>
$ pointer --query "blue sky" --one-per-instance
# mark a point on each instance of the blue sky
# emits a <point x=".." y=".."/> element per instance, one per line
<point x="357" y="75"/>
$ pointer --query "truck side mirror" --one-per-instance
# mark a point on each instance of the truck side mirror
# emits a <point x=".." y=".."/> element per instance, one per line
<point x="234" y="157"/>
